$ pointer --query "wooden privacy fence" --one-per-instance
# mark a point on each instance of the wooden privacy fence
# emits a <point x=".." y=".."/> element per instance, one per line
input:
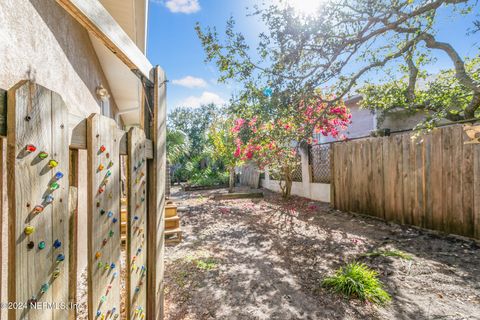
<point x="432" y="181"/>
<point x="42" y="179"/>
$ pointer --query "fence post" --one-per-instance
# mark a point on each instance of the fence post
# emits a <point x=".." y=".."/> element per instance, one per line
<point x="331" y="154"/>
<point x="306" y="179"/>
<point x="156" y="196"/>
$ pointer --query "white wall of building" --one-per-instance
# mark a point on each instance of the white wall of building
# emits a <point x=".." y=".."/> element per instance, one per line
<point x="306" y="189"/>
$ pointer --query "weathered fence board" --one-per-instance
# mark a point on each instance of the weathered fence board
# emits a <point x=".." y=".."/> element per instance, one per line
<point x="38" y="166"/>
<point x="431" y="181"/>
<point x="103" y="217"/>
<point x="3" y="112"/>
<point x="136" y="225"/>
<point x="250" y="176"/>
<point x="156" y="200"/>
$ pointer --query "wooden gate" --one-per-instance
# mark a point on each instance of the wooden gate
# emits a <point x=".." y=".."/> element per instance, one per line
<point x="37" y="166"/>
<point x="136" y="224"/>
<point x="103" y="217"/>
<point x="41" y="141"/>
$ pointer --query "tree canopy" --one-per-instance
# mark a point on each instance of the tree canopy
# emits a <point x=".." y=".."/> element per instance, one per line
<point x="338" y="46"/>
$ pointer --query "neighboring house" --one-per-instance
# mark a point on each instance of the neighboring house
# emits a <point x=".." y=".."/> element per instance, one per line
<point x="92" y="53"/>
<point x="316" y="172"/>
<point x="365" y="121"/>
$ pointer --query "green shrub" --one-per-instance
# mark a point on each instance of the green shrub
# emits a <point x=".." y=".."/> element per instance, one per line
<point x="356" y="280"/>
<point x="208" y="177"/>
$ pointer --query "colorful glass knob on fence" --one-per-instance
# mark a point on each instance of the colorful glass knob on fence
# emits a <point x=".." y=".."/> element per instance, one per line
<point x="110" y="214"/>
<point x="30" y="148"/>
<point x="41" y="245"/>
<point x="98" y="255"/>
<point x="99" y="313"/>
<point x="60" y="257"/>
<point x="43" y="155"/>
<point x="49" y="198"/>
<point x="52" y="163"/>
<point x="56" y="273"/>
<point x="104" y="242"/>
<point x="115" y="275"/>
<point x="109" y="173"/>
<point x="54" y="186"/>
<point x="111" y="233"/>
<point x="29" y="230"/>
<point x="31" y="245"/>
<point x="57" y="244"/>
<point x="100" y="190"/>
<point x="103" y="298"/>
<point x="110" y="164"/>
<point x="100" y="264"/>
<point x="58" y="175"/>
<point x="102" y="148"/>
<point x="102" y="212"/>
<point x="100" y="167"/>
<point x="32" y="301"/>
<point x="114" y="220"/>
<point x="112" y="265"/>
<point x="38" y="209"/>
<point x="135" y="218"/>
<point x="44" y="287"/>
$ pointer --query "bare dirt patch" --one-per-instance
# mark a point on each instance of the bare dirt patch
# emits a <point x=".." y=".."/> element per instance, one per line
<point x="266" y="259"/>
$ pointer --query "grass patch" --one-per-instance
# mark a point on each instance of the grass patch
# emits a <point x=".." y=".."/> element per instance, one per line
<point x="181" y="278"/>
<point x="356" y="280"/>
<point x="205" y="264"/>
<point x="389" y="253"/>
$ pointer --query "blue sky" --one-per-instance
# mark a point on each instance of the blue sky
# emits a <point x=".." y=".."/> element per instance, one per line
<point x="173" y="44"/>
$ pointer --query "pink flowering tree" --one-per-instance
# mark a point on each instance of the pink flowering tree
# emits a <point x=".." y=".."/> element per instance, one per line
<point x="274" y="143"/>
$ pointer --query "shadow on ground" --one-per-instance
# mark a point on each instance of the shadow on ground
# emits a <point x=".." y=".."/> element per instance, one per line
<point x="271" y="256"/>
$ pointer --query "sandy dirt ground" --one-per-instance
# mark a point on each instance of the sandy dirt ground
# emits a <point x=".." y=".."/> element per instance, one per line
<point x="266" y="259"/>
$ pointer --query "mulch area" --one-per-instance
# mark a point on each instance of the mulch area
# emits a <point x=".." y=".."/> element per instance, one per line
<point x="266" y="259"/>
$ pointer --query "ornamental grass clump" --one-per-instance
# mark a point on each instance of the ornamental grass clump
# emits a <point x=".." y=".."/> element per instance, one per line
<point x="356" y="280"/>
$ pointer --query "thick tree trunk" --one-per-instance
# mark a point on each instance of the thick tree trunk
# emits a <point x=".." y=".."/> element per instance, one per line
<point x="287" y="189"/>
<point x="231" y="180"/>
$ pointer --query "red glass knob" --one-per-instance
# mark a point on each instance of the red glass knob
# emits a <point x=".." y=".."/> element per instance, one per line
<point x="30" y="148"/>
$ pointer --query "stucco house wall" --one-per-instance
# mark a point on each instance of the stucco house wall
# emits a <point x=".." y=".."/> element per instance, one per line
<point x="41" y="42"/>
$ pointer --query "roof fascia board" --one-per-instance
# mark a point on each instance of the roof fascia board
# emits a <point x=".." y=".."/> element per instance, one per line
<point x="96" y="19"/>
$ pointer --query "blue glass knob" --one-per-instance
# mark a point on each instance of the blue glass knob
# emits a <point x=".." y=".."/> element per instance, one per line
<point x="114" y="220"/>
<point x="60" y="257"/>
<point x="57" y="244"/>
<point x="58" y="175"/>
<point x="110" y="214"/>
<point x="49" y="198"/>
<point x="44" y="287"/>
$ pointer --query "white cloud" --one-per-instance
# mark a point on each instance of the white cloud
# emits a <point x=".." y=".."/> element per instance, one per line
<point x="206" y="98"/>
<point x="190" y="82"/>
<point x="181" y="6"/>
